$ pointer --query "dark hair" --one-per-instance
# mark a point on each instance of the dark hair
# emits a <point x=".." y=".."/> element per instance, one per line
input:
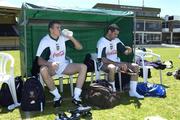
<point x="112" y="28"/>
<point x="51" y="23"/>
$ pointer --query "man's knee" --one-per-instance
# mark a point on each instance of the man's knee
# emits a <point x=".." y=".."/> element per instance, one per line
<point x="83" y="67"/>
<point x="43" y="69"/>
<point x="135" y="66"/>
<point x="111" y="68"/>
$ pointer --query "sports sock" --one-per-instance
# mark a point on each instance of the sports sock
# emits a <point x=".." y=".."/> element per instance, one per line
<point x="56" y="94"/>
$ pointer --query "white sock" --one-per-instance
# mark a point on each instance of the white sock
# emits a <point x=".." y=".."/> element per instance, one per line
<point x="56" y="94"/>
<point x="133" y="85"/>
<point x="77" y="93"/>
<point x="132" y="91"/>
<point x="113" y="85"/>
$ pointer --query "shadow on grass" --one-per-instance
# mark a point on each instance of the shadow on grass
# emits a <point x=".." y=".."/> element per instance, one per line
<point x="126" y="100"/>
<point x="49" y="110"/>
<point x="165" y="86"/>
<point x="67" y="105"/>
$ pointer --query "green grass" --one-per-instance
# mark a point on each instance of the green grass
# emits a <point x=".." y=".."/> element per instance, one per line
<point x="128" y="109"/>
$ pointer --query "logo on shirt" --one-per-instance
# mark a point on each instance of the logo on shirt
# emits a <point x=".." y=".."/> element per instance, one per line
<point x="57" y="54"/>
<point x="111" y="46"/>
<point x="111" y="52"/>
<point x="57" y="47"/>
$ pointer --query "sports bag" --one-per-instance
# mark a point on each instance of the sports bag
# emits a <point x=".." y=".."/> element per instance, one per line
<point x="99" y="94"/>
<point x="33" y="98"/>
<point x="5" y="94"/>
<point x="152" y="90"/>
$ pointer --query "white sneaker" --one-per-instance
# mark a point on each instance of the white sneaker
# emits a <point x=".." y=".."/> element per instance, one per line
<point x="13" y="106"/>
<point x="135" y="94"/>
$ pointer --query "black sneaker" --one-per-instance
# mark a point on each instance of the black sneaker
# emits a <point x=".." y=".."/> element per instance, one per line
<point x="77" y="102"/>
<point x="57" y="103"/>
<point x="62" y="116"/>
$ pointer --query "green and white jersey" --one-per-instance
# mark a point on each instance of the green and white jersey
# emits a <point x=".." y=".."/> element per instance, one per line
<point x="109" y="48"/>
<point x="52" y="50"/>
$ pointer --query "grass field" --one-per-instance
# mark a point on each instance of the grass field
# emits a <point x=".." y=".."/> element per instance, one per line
<point x="128" y="109"/>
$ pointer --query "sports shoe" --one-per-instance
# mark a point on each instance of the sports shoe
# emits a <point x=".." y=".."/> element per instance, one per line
<point x="135" y="94"/>
<point x="62" y="116"/>
<point x="57" y="103"/>
<point x="77" y="102"/>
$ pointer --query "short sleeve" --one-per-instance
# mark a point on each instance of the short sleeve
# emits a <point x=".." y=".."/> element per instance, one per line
<point x="100" y="49"/>
<point x="42" y="46"/>
<point x="121" y="47"/>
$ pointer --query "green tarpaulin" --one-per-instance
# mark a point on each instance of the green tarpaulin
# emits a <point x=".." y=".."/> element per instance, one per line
<point x="88" y="25"/>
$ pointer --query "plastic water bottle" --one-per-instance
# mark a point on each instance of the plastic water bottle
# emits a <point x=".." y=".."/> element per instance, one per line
<point x="67" y="32"/>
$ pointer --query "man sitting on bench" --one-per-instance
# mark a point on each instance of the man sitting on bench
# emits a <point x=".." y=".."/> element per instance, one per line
<point x="107" y="48"/>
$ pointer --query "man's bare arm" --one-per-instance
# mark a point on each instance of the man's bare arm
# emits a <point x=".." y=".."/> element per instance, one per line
<point x="42" y="62"/>
<point x="76" y="43"/>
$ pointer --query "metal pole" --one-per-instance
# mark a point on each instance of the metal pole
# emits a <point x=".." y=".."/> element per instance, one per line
<point x="134" y="35"/>
<point x="142" y="3"/>
<point x="25" y="40"/>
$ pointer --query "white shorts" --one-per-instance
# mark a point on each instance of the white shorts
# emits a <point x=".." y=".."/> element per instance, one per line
<point x="61" y="68"/>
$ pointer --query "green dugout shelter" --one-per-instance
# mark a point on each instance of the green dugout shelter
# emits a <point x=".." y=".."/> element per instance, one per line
<point x="88" y="25"/>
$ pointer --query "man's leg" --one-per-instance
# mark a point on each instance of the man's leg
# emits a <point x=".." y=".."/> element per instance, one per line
<point x="111" y="70"/>
<point x="134" y="78"/>
<point x="46" y="75"/>
<point x="81" y="69"/>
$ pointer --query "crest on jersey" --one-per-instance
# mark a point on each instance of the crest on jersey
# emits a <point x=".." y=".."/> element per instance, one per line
<point x="57" y="47"/>
<point x="111" y="46"/>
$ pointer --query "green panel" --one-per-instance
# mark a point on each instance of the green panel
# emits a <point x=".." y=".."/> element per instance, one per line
<point x="88" y="38"/>
<point x="34" y="35"/>
<point x="88" y="27"/>
<point x="126" y="36"/>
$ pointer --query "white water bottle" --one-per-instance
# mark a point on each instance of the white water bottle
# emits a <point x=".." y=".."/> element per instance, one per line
<point x="67" y="32"/>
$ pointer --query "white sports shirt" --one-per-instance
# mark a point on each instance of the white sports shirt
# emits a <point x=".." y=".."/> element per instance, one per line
<point x="56" y="48"/>
<point x="109" y="48"/>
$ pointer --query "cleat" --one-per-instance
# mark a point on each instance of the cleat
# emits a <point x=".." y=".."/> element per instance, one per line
<point x="82" y="111"/>
<point x="57" y="103"/>
<point x="77" y="102"/>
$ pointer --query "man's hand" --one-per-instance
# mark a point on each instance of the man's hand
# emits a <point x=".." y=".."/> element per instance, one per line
<point x="69" y="34"/>
<point x="128" y="50"/>
<point x="122" y="67"/>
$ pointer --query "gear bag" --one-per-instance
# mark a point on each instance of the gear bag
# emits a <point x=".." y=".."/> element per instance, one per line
<point x="100" y="94"/>
<point x="151" y="90"/>
<point x="33" y="98"/>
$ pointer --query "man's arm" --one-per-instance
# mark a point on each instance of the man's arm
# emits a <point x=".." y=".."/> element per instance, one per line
<point x="52" y="66"/>
<point x="76" y="43"/>
<point x="121" y="66"/>
<point x="124" y="49"/>
<point x="43" y="62"/>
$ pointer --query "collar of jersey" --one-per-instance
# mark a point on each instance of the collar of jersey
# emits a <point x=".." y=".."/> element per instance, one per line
<point x="53" y="38"/>
<point x="107" y="38"/>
